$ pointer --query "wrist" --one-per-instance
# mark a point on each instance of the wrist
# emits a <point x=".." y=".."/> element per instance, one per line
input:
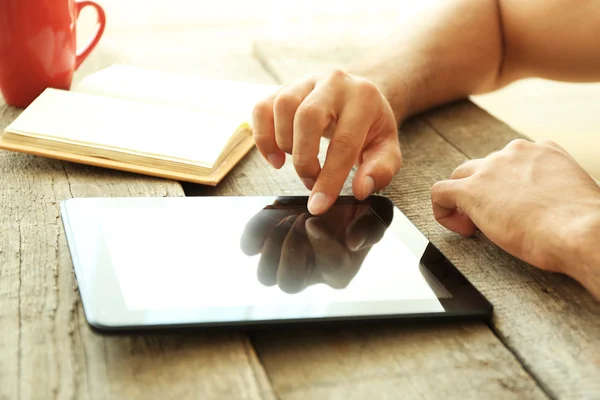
<point x="583" y="262"/>
<point x="393" y="88"/>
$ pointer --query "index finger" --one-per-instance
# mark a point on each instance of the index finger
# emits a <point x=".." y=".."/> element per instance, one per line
<point x="346" y="143"/>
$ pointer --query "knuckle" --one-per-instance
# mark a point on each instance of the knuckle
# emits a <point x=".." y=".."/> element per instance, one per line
<point x="262" y="109"/>
<point x="472" y="184"/>
<point x="286" y="101"/>
<point x="466" y="163"/>
<point x="458" y="171"/>
<point x="303" y="163"/>
<point x="366" y="89"/>
<point x="483" y="174"/>
<point x="438" y="188"/>
<point x="500" y="157"/>
<point x="344" y="142"/>
<point x="551" y="144"/>
<point x="311" y="112"/>
<point x="338" y="75"/>
<point x="398" y="161"/>
<point x="399" y="164"/>
<point x="330" y="179"/>
<point x="387" y="173"/>
<point x="450" y="189"/>
<point x="493" y="154"/>
<point x="262" y="138"/>
<point x="548" y="143"/>
<point x="518" y="144"/>
<point x="389" y="170"/>
<point x="265" y="144"/>
<point x="284" y="145"/>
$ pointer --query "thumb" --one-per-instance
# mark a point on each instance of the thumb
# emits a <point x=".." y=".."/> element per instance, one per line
<point x="381" y="159"/>
<point x="445" y="199"/>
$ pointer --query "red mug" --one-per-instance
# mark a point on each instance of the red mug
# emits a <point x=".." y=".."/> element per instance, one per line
<point x="37" y="46"/>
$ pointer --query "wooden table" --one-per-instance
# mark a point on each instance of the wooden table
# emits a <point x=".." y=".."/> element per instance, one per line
<point x="544" y="341"/>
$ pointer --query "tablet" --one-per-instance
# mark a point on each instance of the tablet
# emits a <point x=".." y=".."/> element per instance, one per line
<point x="147" y="263"/>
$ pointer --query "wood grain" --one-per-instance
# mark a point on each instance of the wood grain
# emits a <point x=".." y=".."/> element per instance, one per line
<point x="47" y="349"/>
<point x="548" y="321"/>
<point x="391" y="362"/>
<point x="290" y="60"/>
<point x="472" y="130"/>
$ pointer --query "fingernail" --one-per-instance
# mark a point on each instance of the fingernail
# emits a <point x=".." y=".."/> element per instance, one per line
<point x="300" y="224"/>
<point x="368" y="185"/>
<point x="317" y="203"/>
<point x="358" y="244"/>
<point x="273" y="159"/>
<point x="313" y="230"/>
<point x="308" y="182"/>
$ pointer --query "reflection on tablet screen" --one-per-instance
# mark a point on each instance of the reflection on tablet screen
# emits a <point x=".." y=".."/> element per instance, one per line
<point x="277" y="256"/>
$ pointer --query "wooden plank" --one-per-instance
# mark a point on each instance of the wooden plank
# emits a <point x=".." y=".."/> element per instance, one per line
<point x="547" y="320"/>
<point x="39" y="342"/>
<point x="440" y="362"/>
<point x="46" y="347"/>
<point x="286" y="61"/>
<point x="470" y="129"/>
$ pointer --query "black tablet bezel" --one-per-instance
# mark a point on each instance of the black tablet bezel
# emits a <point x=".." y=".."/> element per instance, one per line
<point x="465" y="300"/>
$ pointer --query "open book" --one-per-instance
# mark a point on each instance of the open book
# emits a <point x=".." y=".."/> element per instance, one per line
<point x="175" y="126"/>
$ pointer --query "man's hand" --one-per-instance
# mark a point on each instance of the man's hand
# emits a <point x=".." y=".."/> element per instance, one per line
<point x="532" y="199"/>
<point x="352" y="112"/>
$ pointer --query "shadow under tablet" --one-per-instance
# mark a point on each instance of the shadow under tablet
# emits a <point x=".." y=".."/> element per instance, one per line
<point x="161" y="263"/>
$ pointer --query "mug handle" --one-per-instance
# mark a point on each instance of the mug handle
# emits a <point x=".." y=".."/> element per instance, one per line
<point x="85" y="51"/>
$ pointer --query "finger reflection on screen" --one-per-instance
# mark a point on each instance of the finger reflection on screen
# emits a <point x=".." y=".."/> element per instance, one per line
<point x="298" y="249"/>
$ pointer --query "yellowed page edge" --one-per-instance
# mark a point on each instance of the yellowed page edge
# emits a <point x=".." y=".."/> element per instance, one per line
<point x="212" y="179"/>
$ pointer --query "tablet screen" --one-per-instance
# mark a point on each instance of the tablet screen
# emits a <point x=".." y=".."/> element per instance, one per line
<point x="231" y="259"/>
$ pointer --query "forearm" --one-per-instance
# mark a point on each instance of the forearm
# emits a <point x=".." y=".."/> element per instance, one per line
<point x="457" y="48"/>
<point x="447" y="52"/>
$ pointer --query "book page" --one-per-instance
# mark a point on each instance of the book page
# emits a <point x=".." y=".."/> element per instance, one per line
<point x="236" y="99"/>
<point x="129" y="126"/>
